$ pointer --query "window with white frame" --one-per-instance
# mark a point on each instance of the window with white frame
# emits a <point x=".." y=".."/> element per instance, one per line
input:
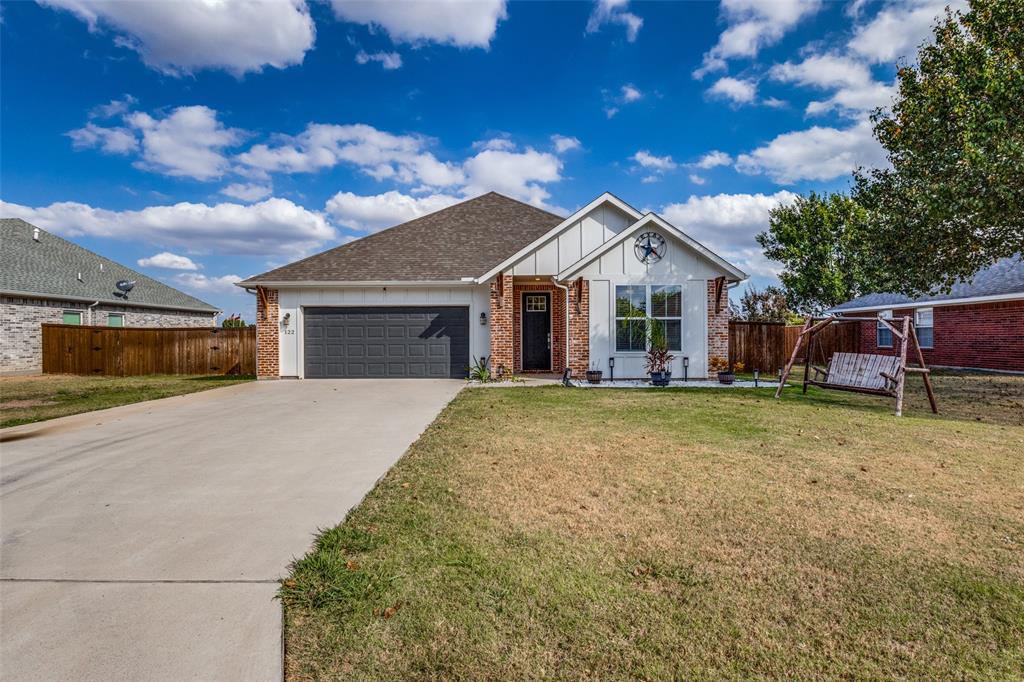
<point x="884" y="334"/>
<point x="632" y="304"/>
<point x="924" y="325"/>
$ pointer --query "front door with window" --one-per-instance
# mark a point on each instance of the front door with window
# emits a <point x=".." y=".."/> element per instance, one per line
<point x="537" y="331"/>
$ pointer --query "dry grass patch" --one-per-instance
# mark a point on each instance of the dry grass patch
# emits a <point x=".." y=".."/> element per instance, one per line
<point x="573" y="534"/>
<point x="28" y="399"/>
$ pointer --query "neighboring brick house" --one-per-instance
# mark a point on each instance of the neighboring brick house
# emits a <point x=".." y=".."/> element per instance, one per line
<point x="44" y="278"/>
<point x="976" y="325"/>
<point x="494" y="277"/>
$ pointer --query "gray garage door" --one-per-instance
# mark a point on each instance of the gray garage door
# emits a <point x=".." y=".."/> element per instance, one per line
<point x="387" y="342"/>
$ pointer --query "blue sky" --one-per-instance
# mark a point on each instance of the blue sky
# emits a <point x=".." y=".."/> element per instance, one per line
<point x="203" y="142"/>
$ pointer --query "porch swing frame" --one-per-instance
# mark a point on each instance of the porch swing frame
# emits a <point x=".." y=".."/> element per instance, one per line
<point x="872" y="374"/>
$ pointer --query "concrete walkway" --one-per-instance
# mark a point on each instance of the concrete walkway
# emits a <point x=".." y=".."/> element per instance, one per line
<point x="144" y="542"/>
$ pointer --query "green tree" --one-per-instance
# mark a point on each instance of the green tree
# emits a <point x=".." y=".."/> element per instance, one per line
<point x="819" y="239"/>
<point x="233" y="321"/>
<point x="953" y="200"/>
<point x="764" y="305"/>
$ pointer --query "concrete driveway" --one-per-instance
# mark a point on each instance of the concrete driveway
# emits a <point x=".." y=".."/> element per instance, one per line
<point x="145" y="542"/>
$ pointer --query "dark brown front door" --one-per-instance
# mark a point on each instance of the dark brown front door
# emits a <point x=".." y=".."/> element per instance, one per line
<point x="536" y="331"/>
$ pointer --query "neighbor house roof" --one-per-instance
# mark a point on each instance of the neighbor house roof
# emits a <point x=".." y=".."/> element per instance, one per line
<point x="50" y="268"/>
<point x="461" y="241"/>
<point x="1004" y="280"/>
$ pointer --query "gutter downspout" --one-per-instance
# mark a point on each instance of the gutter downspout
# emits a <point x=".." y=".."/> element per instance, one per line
<point x="89" y="308"/>
<point x="567" y="303"/>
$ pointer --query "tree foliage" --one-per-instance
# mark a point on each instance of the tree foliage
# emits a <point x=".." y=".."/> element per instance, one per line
<point x="765" y="305"/>
<point x="953" y="200"/>
<point x="820" y="241"/>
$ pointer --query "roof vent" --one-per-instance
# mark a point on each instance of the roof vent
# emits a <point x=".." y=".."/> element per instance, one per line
<point x="35" y="234"/>
<point x="79" y="277"/>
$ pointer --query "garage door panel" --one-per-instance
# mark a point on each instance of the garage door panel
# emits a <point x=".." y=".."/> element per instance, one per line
<point x="376" y="341"/>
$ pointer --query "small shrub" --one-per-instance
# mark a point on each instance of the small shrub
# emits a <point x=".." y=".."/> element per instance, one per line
<point x="718" y="364"/>
<point x="738" y="367"/>
<point x="480" y="370"/>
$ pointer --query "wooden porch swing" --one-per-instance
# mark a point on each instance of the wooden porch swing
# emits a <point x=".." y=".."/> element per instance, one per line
<point x="860" y="372"/>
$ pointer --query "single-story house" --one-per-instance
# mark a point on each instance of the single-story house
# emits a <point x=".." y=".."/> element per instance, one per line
<point x="44" y="278"/>
<point x="494" y="277"/>
<point x="978" y="324"/>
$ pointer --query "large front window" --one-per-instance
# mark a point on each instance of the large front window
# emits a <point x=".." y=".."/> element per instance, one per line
<point x="646" y="314"/>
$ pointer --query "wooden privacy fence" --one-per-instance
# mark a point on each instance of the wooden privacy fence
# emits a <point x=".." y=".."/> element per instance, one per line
<point x="758" y="345"/>
<point x="767" y="345"/>
<point x="134" y="351"/>
<point x="840" y="337"/>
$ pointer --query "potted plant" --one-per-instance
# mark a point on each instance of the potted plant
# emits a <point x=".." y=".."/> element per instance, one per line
<point x="721" y="365"/>
<point x="658" y="359"/>
<point x="594" y="374"/>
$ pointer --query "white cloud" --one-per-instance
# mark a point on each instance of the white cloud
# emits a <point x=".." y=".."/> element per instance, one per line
<point x="627" y="94"/>
<point x="614" y="12"/>
<point x="696" y="179"/>
<point x="658" y="164"/>
<point x="899" y="28"/>
<point x="713" y="159"/>
<point x="371" y="213"/>
<point x="388" y="60"/>
<point x="116" y="107"/>
<point x="817" y="153"/>
<point x="728" y="223"/>
<point x="453" y="22"/>
<point x="169" y="261"/>
<point x="650" y="179"/>
<point x="275" y="226"/>
<point x="204" y="284"/>
<point x="752" y="25"/>
<point x="517" y="174"/>
<point x="565" y="144"/>
<point x="630" y="93"/>
<point x="774" y="103"/>
<point x="108" y="140"/>
<point x="184" y="36"/>
<point x="735" y="90"/>
<point x="855" y="90"/>
<point x="379" y="154"/>
<point x="187" y="142"/>
<point x="247" y="191"/>
<point x="502" y="143"/>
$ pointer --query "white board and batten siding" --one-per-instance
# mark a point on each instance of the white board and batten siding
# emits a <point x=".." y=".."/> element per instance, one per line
<point x="475" y="297"/>
<point x="681" y="265"/>
<point x="574" y="242"/>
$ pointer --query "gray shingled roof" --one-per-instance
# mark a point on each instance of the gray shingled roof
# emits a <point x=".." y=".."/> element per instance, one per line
<point x="464" y="240"/>
<point x="49" y="268"/>
<point x="1006" y="276"/>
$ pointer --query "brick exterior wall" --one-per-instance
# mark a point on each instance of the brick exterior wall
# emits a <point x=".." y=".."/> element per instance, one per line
<point x="982" y="336"/>
<point x="21" y="319"/>
<point x="506" y="325"/>
<point x="268" y="328"/>
<point x="502" y="338"/>
<point x="579" y="327"/>
<point x="718" y="326"/>
<point x="557" y="313"/>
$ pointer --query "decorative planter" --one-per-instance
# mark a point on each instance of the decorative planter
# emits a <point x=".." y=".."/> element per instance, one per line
<point x="726" y="377"/>
<point x="660" y="378"/>
<point x="594" y="376"/>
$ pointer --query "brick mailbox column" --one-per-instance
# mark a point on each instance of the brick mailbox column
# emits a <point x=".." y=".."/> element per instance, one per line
<point x="718" y="325"/>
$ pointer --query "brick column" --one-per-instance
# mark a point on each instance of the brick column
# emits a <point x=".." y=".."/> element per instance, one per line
<point x="718" y="326"/>
<point x="502" y="335"/>
<point x="579" y="327"/>
<point x="268" y="329"/>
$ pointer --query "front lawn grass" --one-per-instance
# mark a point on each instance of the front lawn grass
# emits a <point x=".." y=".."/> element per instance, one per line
<point x="28" y="399"/>
<point x="681" y="534"/>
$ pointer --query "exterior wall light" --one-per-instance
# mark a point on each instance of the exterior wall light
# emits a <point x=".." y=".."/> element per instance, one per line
<point x="286" y="319"/>
<point x="483" y="318"/>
